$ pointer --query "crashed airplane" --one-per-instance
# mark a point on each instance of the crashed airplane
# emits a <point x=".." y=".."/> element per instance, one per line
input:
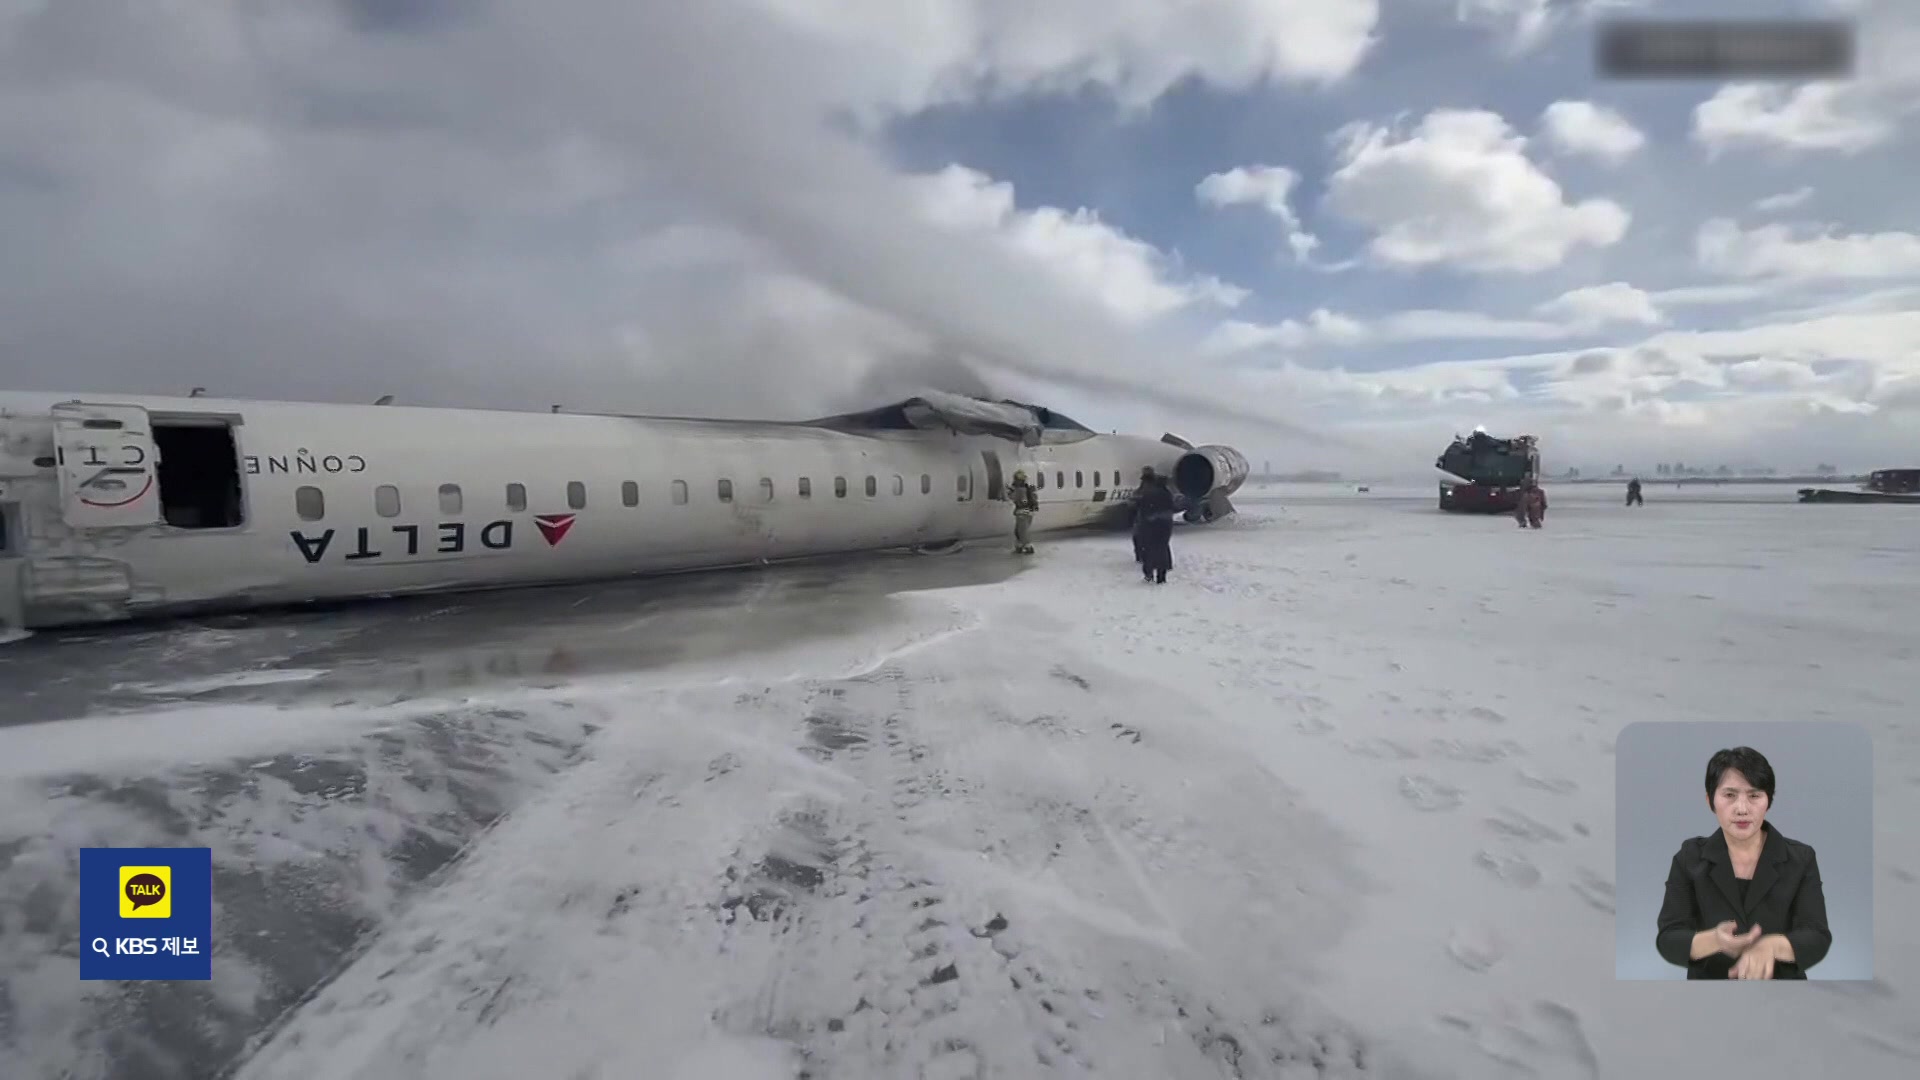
<point x="115" y="508"/>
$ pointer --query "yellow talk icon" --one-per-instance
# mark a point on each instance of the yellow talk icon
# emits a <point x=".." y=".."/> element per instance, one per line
<point x="146" y="892"/>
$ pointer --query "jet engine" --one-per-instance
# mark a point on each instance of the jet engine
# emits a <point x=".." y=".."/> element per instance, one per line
<point x="1206" y="475"/>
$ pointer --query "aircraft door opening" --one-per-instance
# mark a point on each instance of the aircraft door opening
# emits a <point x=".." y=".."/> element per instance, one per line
<point x="199" y="472"/>
<point x="996" y="485"/>
<point x="109" y="466"/>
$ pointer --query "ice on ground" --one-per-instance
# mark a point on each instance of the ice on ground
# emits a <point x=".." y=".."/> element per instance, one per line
<point x="1336" y="800"/>
<point x="318" y="828"/>
<point x="230" y="681"/>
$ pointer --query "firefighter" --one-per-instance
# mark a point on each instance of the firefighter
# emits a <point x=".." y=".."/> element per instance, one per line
<point x="1535" y="501"/>
<point x="1026" y="501"/>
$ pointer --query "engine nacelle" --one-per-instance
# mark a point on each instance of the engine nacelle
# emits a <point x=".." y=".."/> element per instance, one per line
<point x="1210" y="472"/>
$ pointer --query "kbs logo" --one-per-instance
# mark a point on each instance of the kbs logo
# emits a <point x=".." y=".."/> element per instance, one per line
<point x="146" y="913"/>
<point x="146" y="892"/>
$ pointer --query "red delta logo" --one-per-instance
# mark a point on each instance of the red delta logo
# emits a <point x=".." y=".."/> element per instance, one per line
<point x="554" y="526"/>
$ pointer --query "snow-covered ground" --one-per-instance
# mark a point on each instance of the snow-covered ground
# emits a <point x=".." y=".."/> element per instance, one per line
<point x="1337" y="800"/>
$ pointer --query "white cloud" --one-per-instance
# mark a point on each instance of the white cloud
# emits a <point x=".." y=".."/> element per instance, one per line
<point x="1848" y="301"/>
<point x="1871" y="107"/>
<point x="1521" y="25"/>
<point x="1718" y="295"/>
<point x="1576" y="313"/>
<point x="1791" y="392"/>
<point x="908" y="56"/>
<point x="658" y="212"/>
<point x="1402" y="390"/>
<point x="1786" y="200"/>
<point x="1322" y="327"/>
<point x="1817" y="116"/>
<point x="1265" y="186"/>
<point x="1596" y="305"/>
<point x="1768" y="251"/>
<point x="1772" y="373"/>
<point x="1581" y="127"/>
<point x="1460" y="189"/>
<point x="1434" y="325"/>
<point x="1131" y="277"/>
<point x="416" y="226"/>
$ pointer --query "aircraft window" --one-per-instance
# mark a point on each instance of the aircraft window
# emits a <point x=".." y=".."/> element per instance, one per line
<point x="1079" y="478"/>
<point x="1040" y="476"/>
<point x="926" y="484"/>
<point x="679" y="493"/>
<point x="766" y="490"/>
<point x="960" y="483"/>
<point x="576" y="495"/>
<point x="1060" y="478"/>
<point x="311" y="503"/>
<point x="899" y="486"/>
<point x="629" y="493"/>
<point x="726" y="491"/>
<point x="516" y="496"/>
<point x="1096" y="478"/>
<point x="839" y="487"/>
<point x="386" y="500"/>
<point x="450" y="498"/>
<point x="806" y="487"/>
<point x="873" y="487"/>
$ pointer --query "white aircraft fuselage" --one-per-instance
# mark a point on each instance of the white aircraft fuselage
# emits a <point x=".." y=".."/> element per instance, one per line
<point x="117" y="507"/>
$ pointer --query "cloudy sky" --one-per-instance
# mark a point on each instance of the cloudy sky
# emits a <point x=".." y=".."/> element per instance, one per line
<point x="1304" y="226"/>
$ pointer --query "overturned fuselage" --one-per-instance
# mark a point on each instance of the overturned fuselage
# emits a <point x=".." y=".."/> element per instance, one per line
<point x="123" y="507"/>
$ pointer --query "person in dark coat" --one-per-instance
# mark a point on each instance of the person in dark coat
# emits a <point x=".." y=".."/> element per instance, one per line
<point x="1139" y="518"/>
<point x="1155" y="506"/>
<point x="1633" y="493"/>
<point x="1743" y="902"/>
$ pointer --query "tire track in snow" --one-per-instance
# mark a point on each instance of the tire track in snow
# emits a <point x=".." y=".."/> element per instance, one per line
<point x="887" y="970"/>
<point x="907" y="951"/>
<point x="873" y="875"/>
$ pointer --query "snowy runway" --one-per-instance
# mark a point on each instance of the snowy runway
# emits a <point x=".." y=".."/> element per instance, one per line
<point x="1337" y="799"/>
<point x="900" y="872"/>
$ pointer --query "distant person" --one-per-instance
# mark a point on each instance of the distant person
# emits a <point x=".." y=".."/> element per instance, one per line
<point x="1140" y="517"/>
<point x="1633" y="493"/>
<point x="1743" y="902"/>
<point x="1026" y="502"/>
<point x="1155" y="507"/>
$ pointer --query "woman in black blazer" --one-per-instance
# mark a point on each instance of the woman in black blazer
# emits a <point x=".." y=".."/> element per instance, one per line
<point x="1743" y="902"/>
